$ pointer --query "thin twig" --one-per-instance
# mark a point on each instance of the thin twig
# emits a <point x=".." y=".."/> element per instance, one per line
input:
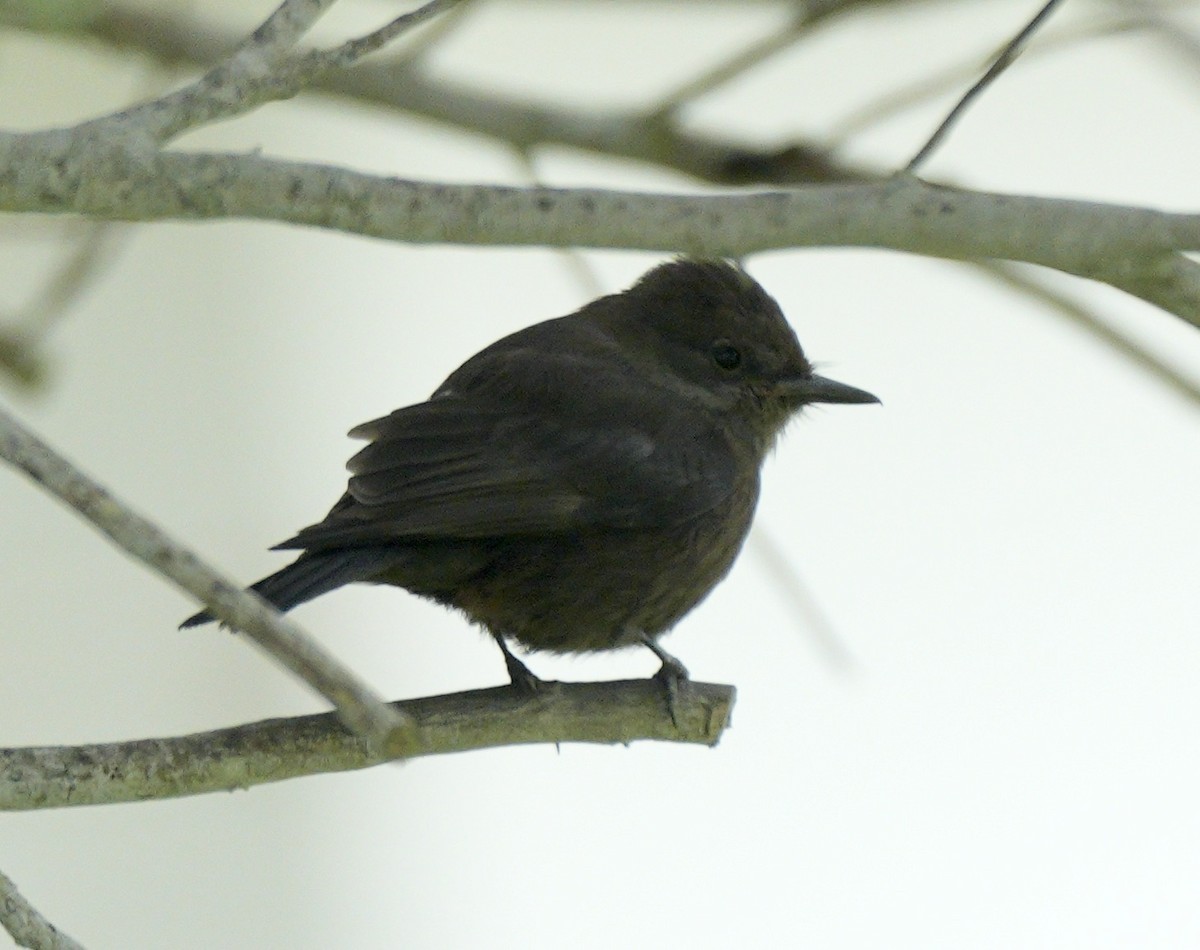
<point x="26" y="925"/>
<point x="1174" y="35"/>
<point x="23" y="333"/>
<point x="352" y="51"/>
<point x="359" y="708"/>
<point x="814" y="622"/>
<point x="901" y="98"/>
<point x="1002" y="62"/>
<point x="73" y="276"/>
<point x="260" y="70"/>
<point x="437" y="32"/>
<point x="581" y="271"/>
<point x="19" y="356"/>
<point x="278" y="749"/>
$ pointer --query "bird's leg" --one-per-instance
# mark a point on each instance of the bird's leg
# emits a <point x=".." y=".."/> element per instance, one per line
<point x="670" y="674"/>
<point x="518" y="672"/>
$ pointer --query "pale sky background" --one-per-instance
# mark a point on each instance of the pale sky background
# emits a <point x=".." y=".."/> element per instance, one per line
<point x="1007" y="547"/>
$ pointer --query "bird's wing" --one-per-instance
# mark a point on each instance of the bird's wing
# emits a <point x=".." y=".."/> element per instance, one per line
<point x="459" y="467"/>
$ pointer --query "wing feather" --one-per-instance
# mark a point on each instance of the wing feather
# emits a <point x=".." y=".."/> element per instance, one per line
<point x="491" y="461"/>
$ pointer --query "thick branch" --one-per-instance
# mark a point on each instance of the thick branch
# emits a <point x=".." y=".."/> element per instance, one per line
<point x="1135" y="249"/>
<point x="278" y="749"/>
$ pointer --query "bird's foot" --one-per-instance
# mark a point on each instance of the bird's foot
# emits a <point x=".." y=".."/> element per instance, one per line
<point x="670" y="675"/>
<point x="518" y="673"/>
<point x="521" y="676"/>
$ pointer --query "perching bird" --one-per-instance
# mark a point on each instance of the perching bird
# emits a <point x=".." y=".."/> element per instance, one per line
<point x="583" y="483"/>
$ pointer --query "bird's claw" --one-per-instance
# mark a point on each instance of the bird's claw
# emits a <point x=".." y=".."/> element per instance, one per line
<point x="518" y="673"/>
<point x="670" y="676"/>
<point x="521" y="676"/>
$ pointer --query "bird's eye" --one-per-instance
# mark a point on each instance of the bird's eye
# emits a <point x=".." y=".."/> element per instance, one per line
<point x="726" y="355"/>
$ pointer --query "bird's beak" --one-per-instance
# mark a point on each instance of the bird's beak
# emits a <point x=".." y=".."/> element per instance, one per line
<point x="814" y="388"/>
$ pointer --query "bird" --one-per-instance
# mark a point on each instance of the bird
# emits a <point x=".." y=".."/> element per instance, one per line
<point x="581" y="484"/>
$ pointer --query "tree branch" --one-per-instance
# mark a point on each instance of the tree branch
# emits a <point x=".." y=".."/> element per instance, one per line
<point x="279" y="749"/>
<point x="400" y="84"/>
<point x="26" y="925"/>
<point x="23" y="334"/>
<point x="358" y="707"/>
<point x="259" y="70"/>
<point x="1135" y="249"/>
<point x="1004" y="59"/>
<point x="655" y="136"/>
<point x="1090" y="322"/>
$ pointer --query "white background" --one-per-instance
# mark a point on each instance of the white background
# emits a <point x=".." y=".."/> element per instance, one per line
<point x="1007" y="547"/>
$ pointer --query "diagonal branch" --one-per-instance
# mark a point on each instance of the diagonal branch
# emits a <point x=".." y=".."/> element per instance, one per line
<point x="358" y="707"/>
<point x="23" y="336"/>
<point x="279" y="749"/>
<point x="26" y="925"/>
<point x="284" y="28"/>
<point x="1005" y="59"/>
<point x="1091" y="323"/>
<point x="802" y="21"/>
<point x="258" y="71"/>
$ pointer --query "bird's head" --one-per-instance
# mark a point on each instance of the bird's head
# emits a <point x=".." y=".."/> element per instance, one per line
<point x="715" y="335"/>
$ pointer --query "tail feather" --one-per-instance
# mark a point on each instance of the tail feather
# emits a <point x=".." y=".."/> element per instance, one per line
<point x="312" y="575"/>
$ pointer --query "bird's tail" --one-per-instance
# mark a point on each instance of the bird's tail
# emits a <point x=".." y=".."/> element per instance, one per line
<point x="309" y="576"/>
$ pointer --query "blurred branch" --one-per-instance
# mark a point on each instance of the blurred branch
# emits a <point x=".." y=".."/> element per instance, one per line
<point x="357" y="706"/>
<point x="399" y="84"/>
<point x="22" y="336"/>
<point x="904" y="97"/>
<point x="72" y="277"/>
<point x="803" y="20"/>
<point x="435" y="34"/>
<point x="576" y="264"/>
<point x="26" y="925"/>
<point x="654" y="137"/>
<point x="19" y="356"/>
<point x="279" y="749"/>
<point x="811" y="619"/>
<point x="1026" y="283"/>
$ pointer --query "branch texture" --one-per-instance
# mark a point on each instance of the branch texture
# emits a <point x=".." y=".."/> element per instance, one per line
<point x="26" y="925"/>
<point x="111" y="168"/>
<point x="1135" y="249"/>
<point x="278" y="749"/>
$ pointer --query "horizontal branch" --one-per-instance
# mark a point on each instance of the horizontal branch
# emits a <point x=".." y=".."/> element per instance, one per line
<point x="1134" y="249"/>
<point x="278" y="749"/>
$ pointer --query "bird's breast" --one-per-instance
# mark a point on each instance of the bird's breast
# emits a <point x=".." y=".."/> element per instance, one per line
<point x="596" y="589"/>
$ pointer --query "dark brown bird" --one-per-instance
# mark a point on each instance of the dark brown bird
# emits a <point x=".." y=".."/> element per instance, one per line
<point x="583" y="483"/>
